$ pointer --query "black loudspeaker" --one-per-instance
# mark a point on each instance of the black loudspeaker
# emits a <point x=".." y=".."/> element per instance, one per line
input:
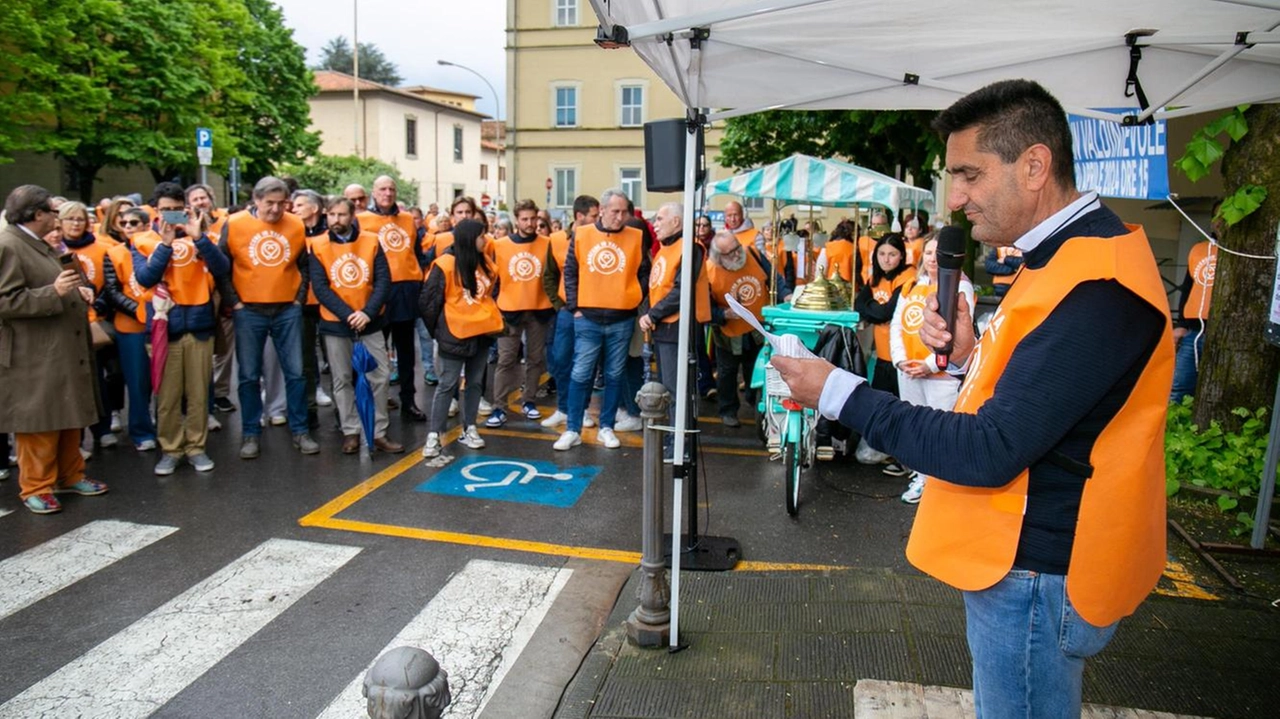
<point x="664" y="147"/>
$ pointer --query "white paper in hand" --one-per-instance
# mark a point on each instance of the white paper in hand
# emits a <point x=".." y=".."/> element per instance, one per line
<point x="783" y="345"/>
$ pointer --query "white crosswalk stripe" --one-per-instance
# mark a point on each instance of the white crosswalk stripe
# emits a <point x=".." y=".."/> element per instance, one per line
<point x="5" y="511"/>
<point x="135" y="672"/>
<point x="60" y="562"/>
<point x="487" y="610"/>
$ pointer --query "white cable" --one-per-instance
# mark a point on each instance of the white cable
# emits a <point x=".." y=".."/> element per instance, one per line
<point x="1212" y="240"/>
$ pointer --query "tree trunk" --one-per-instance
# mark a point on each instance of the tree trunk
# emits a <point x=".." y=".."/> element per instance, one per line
<point x="80" y="176"/>
<point x="1239" y="368"/>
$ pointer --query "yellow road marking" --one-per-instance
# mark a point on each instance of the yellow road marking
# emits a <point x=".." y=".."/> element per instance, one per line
<point x="1184" y="583"/>
<point x="589" y="436"/>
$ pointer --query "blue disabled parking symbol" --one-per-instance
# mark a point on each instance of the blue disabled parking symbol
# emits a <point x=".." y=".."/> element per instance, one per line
<point x="508" y="479"/>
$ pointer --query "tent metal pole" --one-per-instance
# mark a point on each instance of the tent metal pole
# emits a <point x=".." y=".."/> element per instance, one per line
<point x="659" y="28"/>
<point x="1266" y="491"/>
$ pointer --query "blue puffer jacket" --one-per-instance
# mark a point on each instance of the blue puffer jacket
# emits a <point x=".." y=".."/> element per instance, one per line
<point x="199" y="320"/>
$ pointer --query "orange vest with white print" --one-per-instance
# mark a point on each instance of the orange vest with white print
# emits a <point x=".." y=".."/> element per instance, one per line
<point x="520" y="271"/>
<point x="1001" y="253"/>
<point x="866" y="248"/>
<point x="560" y="250"/>
<point x="913" y="306"/>
<point x="1202" y="263"/>
<point x="121" y="259"/>
<point x="840" y="259"/>
<point x="468" y="315"/>
<point x="968" y="536"/>
<point x="882" y="293"/>
<point x="91" y="257"/>
<point x="748" y="285"/>
<point x="607" y="263"/>
<point x="662" y="278"/>
<point x="264" y="258"/>
<point x="396" y="234"/>
<point x="915" y="251"/>
<point x="188" y="277"/>
<point x="349" y="267"/>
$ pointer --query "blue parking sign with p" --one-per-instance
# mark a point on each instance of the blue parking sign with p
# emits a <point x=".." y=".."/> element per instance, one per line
<point x="204" y="137"/>
<point x="508" y="479"/>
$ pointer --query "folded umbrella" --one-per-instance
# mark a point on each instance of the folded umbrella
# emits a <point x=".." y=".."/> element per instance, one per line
<point x="362" y="363"/>
<point x="161" y="303"/>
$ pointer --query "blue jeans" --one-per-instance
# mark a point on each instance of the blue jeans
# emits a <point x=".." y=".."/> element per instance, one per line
<point x="135" y="365"/>
<point x="590" y="340"/>
<point x="1185" y="371"/>
<point x="561" y="358"/>
<point x="1028" y="646"/>
<point x="427" y="346"/>
<point x="285" y="330"/>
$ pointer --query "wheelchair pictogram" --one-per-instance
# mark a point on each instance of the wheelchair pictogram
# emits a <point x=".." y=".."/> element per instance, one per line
<point x="483" y="475"/>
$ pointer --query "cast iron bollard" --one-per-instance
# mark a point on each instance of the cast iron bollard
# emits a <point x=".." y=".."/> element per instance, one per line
<point x="649" y="625"/>
<point x="406" y="683"/>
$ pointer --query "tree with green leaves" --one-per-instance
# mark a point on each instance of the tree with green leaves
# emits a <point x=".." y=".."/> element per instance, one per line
<point x="329" y="174"/>
<point x="374" y="66"/>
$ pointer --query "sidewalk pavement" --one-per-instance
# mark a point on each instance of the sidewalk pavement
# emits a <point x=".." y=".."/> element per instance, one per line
<point x="806" y="645"/>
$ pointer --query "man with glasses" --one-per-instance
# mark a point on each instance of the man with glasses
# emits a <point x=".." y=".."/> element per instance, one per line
<point x="357" y="194"/>
<point x="48" y="387"/>
<point x="743" y="273"/>
<point x="266" y="289"/>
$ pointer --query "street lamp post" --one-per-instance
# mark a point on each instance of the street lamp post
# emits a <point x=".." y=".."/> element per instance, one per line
<point x="497" y="102"/>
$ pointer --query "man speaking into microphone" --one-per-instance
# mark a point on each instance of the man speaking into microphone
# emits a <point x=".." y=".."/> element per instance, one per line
<point x="1045" y="497"/>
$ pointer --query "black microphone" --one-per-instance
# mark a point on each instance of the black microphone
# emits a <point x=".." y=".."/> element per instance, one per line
<point x="951" y="251"/>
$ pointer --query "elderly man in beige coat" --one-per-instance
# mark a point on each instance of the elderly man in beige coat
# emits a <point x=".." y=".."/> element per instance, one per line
<point x="47" y="389"/>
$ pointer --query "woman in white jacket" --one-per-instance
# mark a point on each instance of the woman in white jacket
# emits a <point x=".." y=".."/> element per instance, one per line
<point x="920" y="381"/>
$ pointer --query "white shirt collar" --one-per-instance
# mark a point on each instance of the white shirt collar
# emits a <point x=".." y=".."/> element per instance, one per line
<point x="1086" y="203"/>
<point x="29" y="232"/>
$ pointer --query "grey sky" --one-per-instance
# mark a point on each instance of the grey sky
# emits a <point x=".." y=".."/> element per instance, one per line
<point x="413" y="34"/>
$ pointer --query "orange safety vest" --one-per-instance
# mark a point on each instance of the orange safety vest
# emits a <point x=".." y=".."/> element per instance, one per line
<point x="441" y="241"/>
<point x="747" y="237"/>
<point x="349" y="267"/>
<point x="915" y="251"/>
<point x="748" y="285"/>
<point x="264" y="258"/>
<point x="396" y="234"/>
<point x="840" y="259"/>
<point x="188" y="277"/>
<point x="968" y="536"/>
<point x="91" y="257"/>
<point x="866" y="248"/>
<point x="1001" y="253"/>
<point x="520" y="270"/>
<point x="121" y="258"/>
<point x="605" y="261"/>
<point x="217" y="218"/>
<point x="913" y="305"/>
<point x="1202" y="263"/>
<point x="560" y="251"/>
<point x="882" y="293"/>
<point x="778" y="255"/>
<point x="662" y="279"/>
<point x="465" y="314"/>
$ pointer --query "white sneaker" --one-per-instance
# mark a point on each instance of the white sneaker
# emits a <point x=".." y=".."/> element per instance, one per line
<point x="86" y="454"/>
<point x="432" y="447"/>
<point x="322" y="399"/>
<point x="568" y="440"/>
<point x="279" y="420"/>
<point x="485" y="408"/>
<point x="453" y="407"/>
<point x="915" y="490"/>
<point x="145" y="445"/>
<point x="556" y="419"/>
<point x="108" y="440"/>
<point x="608" y="438"/>
<point x="471" y="438"/>
<point x="214" y="424"/>
<point x="116" y="424"/>
<point x="627" y="422"/>
<point x="588" y="420"/>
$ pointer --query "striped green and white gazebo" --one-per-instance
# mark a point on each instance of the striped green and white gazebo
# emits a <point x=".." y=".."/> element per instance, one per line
<point x="804" y="180"/>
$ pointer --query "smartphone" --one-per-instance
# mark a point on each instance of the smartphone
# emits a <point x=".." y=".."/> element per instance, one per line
<point x="174" y="217"/>
<point x="71" y="262"/>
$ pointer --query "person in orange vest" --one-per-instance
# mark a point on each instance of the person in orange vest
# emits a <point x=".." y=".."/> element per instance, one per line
<point x="913" y="237"/>
<point x="586" y="210"/>
<point x="876" y="300"/>
<point x="352" y="280"/>
<point x="662" y="316"/>
<point x="737" y="222"/>
<point x="266" y="289"/>
<point x="129" y="301"/>
<point x="458" y="308"/>
<point x="838" y="257"/>
<point x="527" y="312"/>
<point x="606" y="280"/>
<point x="1044" y="500"/>
<point x="1196" y="295"/>
<point x="1002" y="264"/>
<point x="394" y="229"/>
<point x="743" y="272"/>
<point x="867" y="246"/>
<point x="188" y="263"/>
<point x="357" y="194"/>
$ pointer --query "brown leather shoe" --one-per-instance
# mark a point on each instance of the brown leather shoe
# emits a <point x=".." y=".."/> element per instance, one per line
<point x="382" y="444"/>
<point x="350" y="443"/>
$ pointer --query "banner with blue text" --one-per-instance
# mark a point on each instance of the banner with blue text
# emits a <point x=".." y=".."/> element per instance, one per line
<point x="1125" y="161"/>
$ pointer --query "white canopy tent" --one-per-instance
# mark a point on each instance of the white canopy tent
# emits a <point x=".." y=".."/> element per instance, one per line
<point x="805" y="180"/>
<point x="1122" y="61"/>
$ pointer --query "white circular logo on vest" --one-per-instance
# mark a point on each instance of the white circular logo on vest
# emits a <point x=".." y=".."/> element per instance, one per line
<point x="483" y="285"/>
<point x="606" y="258"/>
<point x="913" y="315"/>
<point x="86" y="263"/>
<point x="881" y="296"/>
<point x="524" y="267"/>
<point x="349" y="272"/>
<point x="184" y="253"/>
<point x="269" y="249"/>
<point x="392" y="238"/>
<point x="658" y="272"/>
<point x="1205" y="271"/>
<point x="746" y="290"/>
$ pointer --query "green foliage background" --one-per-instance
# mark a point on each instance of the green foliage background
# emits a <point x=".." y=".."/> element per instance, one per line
<point x="329" y="174"/>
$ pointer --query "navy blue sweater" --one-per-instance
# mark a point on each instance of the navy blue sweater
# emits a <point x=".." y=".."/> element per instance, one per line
<point x="1063" y="384"/>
